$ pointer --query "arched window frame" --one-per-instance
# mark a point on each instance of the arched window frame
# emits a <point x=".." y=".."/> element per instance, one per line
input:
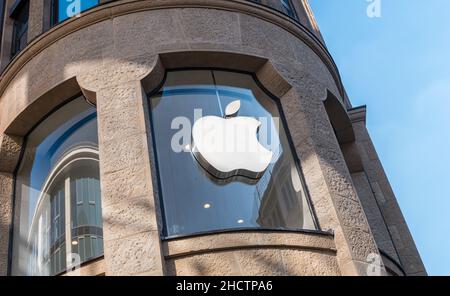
<point x="85" y="152"/>
<point x="276" y="100"/>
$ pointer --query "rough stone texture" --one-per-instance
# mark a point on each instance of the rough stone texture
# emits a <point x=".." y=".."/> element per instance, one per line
<point x="397" y="241"/>
<point x="258" y="262"/>
<point x="248" y="239"/>
<point x="110" y="50"/>
<point x="6" y="189"/>
<point x="129" y="40"/>
<point x="35" y="20"/>
<point x="131" y="236"/>
<point x="253" y="253"/>
<point x="380" y="232"/>
<point x="136" y="254"/>
<point x="10" y="147"/>
<point x="318" y="148"/>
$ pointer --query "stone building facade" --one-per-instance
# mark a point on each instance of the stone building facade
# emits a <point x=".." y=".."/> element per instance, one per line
<point x="108" y="64"/>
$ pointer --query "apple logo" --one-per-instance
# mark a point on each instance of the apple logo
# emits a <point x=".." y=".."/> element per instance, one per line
<point x="228" y="147"/>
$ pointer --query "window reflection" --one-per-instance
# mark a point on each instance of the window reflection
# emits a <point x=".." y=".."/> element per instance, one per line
<point x="64" y="9"/>
<point x="58" y="206"/>
<point x="283" y="6"/>
<point x="195" y="201"/>
<point x="20" y="27"/>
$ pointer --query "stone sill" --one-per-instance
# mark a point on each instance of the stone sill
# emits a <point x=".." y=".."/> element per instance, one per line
<point x="254" y="239"/>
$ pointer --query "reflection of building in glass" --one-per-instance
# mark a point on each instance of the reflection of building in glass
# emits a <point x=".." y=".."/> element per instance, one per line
<point x="234" y="196"/>
<point x="68" y="215"/>
<point x="280" y="205"/>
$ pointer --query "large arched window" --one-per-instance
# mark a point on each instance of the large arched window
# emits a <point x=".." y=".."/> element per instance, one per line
<point x="203" y="192"/>
<point x="58" y="216"/>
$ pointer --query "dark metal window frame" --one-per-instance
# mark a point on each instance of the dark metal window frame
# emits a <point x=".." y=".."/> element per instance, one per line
<point x="287" y="4"/>
<point x="291" y="8"/>
<point x="16" y="172"/>
<point x="54" y="12"/>
<point x="154" y="157"/>
<point x="15" y="10"/>
<point x="2" y="18"/>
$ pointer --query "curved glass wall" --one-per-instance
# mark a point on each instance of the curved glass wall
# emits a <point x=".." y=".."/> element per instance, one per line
<point x="197" y="200"/>
<point x="58" y="217"/>
<point x="65" y="9"/>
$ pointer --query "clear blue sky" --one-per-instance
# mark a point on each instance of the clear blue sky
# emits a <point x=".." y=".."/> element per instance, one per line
<point x="399" y="66"/>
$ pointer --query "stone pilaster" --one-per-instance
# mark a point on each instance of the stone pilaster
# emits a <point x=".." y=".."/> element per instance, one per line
<point x="6" y="189"/>
<point x="9" y="155"/>
<point x="385" y="198"/>
<point x="327" y="177"/>
<point x="131" y="236"/>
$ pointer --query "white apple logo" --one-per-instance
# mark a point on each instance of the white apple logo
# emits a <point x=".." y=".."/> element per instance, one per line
<point x="229" y="146"/>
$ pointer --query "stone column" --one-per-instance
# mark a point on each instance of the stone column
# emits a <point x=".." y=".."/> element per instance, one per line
<point x="9" y="155"/>
<point x="36" y="19"/>
<point x="131" y="237"/>
<point x="328" y="179"/>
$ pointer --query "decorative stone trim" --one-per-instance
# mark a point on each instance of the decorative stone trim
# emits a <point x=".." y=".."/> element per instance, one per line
<point x="246" y="240"/>
<point x="358" y="114"/>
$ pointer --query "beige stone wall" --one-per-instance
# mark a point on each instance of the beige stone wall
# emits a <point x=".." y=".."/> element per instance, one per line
<point x="116" y="52"/>
<point x="392" y="233"/>
<point x="258" y="253"/>
<point x="9" y="154"/>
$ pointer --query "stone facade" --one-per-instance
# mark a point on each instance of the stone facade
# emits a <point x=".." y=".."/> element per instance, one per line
<point x="117" y="52"/>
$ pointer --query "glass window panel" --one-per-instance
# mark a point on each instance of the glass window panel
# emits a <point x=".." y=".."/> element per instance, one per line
<point x="88" y="247"/>
<point x="94" y="246"/>
<point x="69" y="8"/>
<point x="63" y="258"/>
<point x="200" y="202"/>
<point x="20" y="27"/>
<point x="100" y="242"/>
<point x="82" y="248"/>
<point x="57" y="261"/>
<point x="62" y="148"/>
<point x="75" y="246"/>
<point x="283" y="6"/>
<point x="91" y="191"/>
<point x="98" y="203"/>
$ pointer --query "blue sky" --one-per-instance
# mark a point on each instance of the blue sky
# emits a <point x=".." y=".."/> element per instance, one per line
<point x="399" y="66"/>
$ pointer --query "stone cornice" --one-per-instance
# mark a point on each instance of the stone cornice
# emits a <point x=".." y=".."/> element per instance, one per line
<point x="117" y="8"/>
<point x="357" y="114"/>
